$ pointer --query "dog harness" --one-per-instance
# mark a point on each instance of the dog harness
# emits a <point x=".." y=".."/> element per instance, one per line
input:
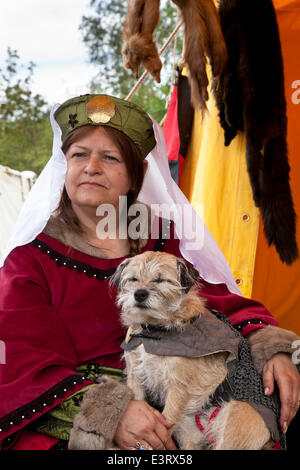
<point x="207" y="334"/>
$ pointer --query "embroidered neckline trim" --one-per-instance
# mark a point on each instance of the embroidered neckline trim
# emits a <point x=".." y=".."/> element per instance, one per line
<point x="79" y="266"/>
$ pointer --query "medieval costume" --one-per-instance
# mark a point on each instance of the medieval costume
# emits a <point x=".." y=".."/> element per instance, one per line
<point x="58" y="319"/>
<point x="57" y="315"/>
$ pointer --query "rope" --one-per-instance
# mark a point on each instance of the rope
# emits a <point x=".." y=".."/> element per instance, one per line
<point x="141" y="80"/>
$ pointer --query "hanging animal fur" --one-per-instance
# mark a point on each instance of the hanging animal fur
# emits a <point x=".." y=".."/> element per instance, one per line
<point x="202" y="37"/>
<point x="250" y="97"/>
<point x="138" y="46"/>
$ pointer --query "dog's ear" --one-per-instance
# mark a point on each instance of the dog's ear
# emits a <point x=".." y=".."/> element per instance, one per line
<point x="116" y="278"/>
<point x="188" y="275"/>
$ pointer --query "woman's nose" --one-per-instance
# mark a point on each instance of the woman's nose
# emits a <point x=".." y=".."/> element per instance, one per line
<point x="94" y="165"/>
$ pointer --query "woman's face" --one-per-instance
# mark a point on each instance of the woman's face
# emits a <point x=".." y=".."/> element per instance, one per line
<point x="96" y="171"/>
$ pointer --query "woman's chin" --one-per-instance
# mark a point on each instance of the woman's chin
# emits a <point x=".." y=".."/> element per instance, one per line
<point x="89" y="203"/>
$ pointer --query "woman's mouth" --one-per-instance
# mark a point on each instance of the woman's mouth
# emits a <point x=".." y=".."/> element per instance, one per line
<point x="91" y="183"/>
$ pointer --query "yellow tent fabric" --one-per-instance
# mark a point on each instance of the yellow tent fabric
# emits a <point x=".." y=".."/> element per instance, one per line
<point x="216" y="176"/>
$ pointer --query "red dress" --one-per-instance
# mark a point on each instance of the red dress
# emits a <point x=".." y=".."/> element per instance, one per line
<point x="56" y="313"/>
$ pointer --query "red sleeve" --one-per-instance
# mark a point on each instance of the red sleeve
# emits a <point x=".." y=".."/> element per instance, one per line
<point x="38" y="370"/>
<point x="245" y="314"/>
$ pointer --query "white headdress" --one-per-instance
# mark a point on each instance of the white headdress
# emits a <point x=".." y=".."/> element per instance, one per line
<point x="196" y="243"/>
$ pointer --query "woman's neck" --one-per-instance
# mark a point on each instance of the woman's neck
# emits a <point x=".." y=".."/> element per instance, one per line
<point x="112" y="246"/>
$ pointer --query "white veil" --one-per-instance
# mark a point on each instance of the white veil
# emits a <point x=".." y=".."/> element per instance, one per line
<point x="196" y="243"/>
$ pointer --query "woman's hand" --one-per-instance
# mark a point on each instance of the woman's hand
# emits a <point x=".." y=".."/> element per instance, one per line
<point x="281" y="369"/>
<point x="142" y="423"/>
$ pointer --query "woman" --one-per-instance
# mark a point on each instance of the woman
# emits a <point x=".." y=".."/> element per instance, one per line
<point x="58" y="319"/>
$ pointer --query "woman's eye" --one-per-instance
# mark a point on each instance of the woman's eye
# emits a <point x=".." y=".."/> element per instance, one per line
<point x="111" y="158"/>
<point x="78" y="155"/>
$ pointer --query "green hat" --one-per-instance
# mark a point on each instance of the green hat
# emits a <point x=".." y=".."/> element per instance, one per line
<point x="105" y="110"/>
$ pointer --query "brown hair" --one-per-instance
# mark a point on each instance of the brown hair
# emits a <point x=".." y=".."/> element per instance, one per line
<point x="134" y="165"/>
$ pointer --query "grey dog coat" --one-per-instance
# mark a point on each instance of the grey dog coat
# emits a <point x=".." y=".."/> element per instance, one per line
<point x="210" y="333"/>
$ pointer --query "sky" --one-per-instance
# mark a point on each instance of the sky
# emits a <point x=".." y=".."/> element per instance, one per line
<point x="46" y="33"/>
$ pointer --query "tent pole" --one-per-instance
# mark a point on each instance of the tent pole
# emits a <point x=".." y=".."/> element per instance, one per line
<point x="140" y="81"/>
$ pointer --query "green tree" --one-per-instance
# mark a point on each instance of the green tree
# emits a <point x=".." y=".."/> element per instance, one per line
<point x="102" y="33"/>
<point x="25" y="131"/>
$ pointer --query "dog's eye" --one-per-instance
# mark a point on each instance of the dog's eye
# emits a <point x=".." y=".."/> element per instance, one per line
<point x="159" y="280"/>
<point x="132" y="279"/>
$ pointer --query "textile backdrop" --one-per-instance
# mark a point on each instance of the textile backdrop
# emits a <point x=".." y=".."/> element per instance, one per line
<point x="216" y="176"/>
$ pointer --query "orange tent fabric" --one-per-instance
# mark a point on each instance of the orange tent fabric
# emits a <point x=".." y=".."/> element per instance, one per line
<point x="274" y="283"/>
<point x="216" y="176"/>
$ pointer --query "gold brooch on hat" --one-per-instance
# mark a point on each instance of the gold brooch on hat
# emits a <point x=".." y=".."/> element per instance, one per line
<point x="100" y="109"/>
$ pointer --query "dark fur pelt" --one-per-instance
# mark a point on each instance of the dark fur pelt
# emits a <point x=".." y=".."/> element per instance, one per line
<point x="250" y="97"/>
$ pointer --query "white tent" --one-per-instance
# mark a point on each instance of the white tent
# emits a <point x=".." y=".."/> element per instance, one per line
<point x="14" y="187"/>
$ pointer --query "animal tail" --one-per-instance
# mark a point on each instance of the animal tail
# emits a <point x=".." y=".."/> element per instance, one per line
<point x="276" y="201"/>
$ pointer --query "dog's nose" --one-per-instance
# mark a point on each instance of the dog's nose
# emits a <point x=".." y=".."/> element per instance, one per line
<point x="141" y="295"/>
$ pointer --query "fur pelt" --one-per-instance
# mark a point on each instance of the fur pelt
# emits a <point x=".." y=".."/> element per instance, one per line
<point x="202" y="37"/>
<point x="95" y="425"/>
<point x="138" y="46"/>
<point x="266" y="342"/>
<point x="250" y="97"/>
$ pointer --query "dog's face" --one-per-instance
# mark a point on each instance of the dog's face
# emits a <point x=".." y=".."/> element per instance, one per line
<point x="151" y="287"/>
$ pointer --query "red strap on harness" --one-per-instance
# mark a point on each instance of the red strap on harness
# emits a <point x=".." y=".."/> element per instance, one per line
<point x="207" y="432"/>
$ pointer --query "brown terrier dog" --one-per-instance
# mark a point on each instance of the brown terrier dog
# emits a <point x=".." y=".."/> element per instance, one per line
<point x="177" y="355"/>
